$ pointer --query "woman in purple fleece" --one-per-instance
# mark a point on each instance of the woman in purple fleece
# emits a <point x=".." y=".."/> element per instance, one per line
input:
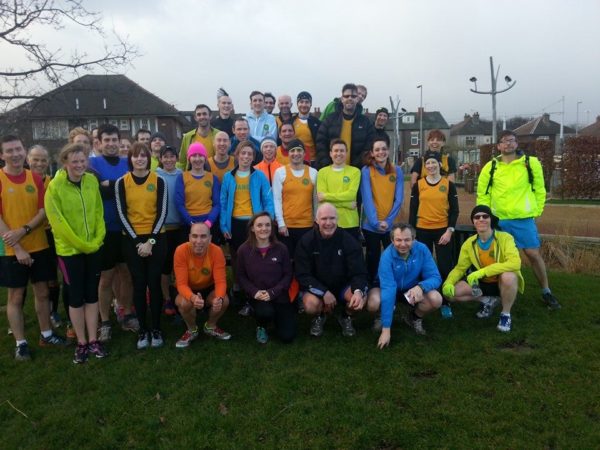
<point x="264" y="273"/>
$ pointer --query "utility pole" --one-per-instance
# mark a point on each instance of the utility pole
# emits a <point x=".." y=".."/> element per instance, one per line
<point x="577" y="121"/>
<point x="493" y="92"/>
<point x="397" y="115"/>
<point x="421" y="122"/>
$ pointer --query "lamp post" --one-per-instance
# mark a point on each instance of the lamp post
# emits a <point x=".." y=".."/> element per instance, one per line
<point x="577" y="121"/>
<point x="421" y="122"/>
<point x="493" y="92"/>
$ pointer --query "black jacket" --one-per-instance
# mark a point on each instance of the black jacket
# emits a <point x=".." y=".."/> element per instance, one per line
<point x="329" y="264"/>
<point x="363" y="133"/>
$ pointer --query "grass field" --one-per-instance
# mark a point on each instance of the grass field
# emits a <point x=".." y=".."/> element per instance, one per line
<point x="465" y="385"/>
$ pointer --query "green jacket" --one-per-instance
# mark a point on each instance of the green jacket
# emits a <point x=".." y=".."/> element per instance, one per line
<point x="186" y="141"/>
<point x="507" y="259"/>
<point x="511" y="195"/>
<point x="75" y="214"/>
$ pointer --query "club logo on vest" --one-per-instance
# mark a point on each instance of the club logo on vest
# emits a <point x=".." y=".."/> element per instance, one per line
<point x="151" y="187"/>
<point x="305" y="181"/>
<point x="207" y="184"/>
<point x="29" y="189"/>
<point x="346" y="179"/>
<point x="392" y="178"/>
<point x="442" y="188"/>
<point x="205" y="271"/>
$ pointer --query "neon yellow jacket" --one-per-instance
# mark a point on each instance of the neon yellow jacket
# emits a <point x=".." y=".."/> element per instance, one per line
<point x="340" y="189"/>
<point x="511" y="196"/>
<point x="75" y="214"/>
<point x="507" y="259"/>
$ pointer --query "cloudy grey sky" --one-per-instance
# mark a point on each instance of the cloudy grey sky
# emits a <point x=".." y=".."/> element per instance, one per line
<point x="190" y="48"/>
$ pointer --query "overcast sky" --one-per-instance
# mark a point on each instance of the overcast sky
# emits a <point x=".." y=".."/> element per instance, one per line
<point x="190" y="48"/>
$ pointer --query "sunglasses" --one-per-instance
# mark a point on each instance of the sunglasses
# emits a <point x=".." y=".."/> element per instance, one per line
<point x="481" y="217"/>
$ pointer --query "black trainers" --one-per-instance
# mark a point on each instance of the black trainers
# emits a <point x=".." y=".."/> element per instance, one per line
<point x="22" y="352"/>
<point x="54" y="340"/>
<point x="550" y="301"/>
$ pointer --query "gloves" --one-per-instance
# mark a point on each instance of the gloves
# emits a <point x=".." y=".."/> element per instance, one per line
<point x="474" y="277"/>
<point x="448" y="290"/>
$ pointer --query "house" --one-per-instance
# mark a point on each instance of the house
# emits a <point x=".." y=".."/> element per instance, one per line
<point x="468" y="136"/>
<point x="543" y="128"/>
<point x="410" y="125"/>
<point x="90" y="101"/>
<point x="591" y="130"/>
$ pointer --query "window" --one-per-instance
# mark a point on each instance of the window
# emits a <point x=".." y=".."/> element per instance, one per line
<point x="124" y="124"/>
<point x="414" y="138"/>
<point x="408" y="119"/>
<point x="470" y="141"/>
<point x="145" y="124"/>
<point x="92" y="124"/>
<point x="50" y="129"/>
<point x="114" y="122"/>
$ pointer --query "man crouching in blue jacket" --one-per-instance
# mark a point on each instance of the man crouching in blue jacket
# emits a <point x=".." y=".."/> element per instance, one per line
<point x="407" y="273"/>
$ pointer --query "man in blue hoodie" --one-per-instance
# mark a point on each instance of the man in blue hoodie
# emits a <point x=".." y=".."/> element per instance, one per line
<point x="261" y="123"/>
<point x="407" y="274"/>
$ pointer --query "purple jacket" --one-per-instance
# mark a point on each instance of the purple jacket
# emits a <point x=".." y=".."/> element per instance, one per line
<point x="272" y="273"/>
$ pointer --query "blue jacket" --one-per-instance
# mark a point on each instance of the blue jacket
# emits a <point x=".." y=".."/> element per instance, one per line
<point x="261" y="196"/>
<point x="397" y="274"/>
<point x="370" y="220"/>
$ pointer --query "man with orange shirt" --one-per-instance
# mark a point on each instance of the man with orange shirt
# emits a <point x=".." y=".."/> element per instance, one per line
<point x="26" y="248"/>
<point x="201" y="282"/>
<point x="269" y="164"/>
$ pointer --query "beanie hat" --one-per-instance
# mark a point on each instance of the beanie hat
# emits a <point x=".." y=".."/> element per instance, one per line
<point x="485" y="210"/>
<point x="267" y="139"/>
<point x="196" y="149"/>
<point x="382" y="110"/>
<point x="295" y="143"/>
<point x="433" y="155"/>
<point x="158" y="134"/>
<point x="304" y="96"/>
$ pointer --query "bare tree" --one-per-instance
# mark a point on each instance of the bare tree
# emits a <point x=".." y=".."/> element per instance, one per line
<point x="43" y="65"/>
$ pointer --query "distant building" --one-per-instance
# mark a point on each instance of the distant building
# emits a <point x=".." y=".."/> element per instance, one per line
<point x="591" y="130"/>
<point x="543" y="128"/>
<point x="468" y="136"/>
<point x="88" y="102"/>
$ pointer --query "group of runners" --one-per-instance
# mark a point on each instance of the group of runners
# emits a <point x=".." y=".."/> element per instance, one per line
<point x="292" y="199"/>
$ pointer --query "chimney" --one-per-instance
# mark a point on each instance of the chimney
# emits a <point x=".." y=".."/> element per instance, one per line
<point x="597" y="118"/>
<point x="420" y="111"/>
<point x="476" y="118"/>
<point x="467" y="116"/>
<point x="546" y="118"/>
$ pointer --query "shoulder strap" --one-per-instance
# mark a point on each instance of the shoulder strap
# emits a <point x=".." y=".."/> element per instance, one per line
<point x="529" y="172"/>
<point x="491" y="180"/>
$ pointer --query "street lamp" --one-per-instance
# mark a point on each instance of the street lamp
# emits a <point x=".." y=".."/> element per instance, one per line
<point x="397" y="113"/>
<point x="421" y="122"/>
<point x="493" y="92"/>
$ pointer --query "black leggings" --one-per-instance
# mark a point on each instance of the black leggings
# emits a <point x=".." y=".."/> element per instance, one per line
<point x="444" y="257"/>
<point x="145" y="273"/>
<point x="374" y="242"/>
<point x="292" y="240"/>
<point x="283" y="313"/>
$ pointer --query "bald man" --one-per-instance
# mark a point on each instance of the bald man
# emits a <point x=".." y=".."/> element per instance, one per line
<point x="331" y="271"/>
<point x="201" y="281"/>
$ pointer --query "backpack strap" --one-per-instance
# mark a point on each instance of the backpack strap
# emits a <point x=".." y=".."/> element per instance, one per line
<point x="491" y="180"/>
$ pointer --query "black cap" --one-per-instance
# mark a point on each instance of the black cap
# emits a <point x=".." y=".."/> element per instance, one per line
<point x="433" y="155"/>
<point x="166" y="149"/>
<point x="382" y="110"/>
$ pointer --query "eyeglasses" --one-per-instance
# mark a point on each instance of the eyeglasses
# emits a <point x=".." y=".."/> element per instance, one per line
<point x="349" y="95"/>
<point x="508" y="141"/>
<point x="481" y="217"/>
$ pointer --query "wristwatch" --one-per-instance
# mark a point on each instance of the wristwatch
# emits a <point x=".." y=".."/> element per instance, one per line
<point x="359" y="291"/>
<point x="152" y="241"/>
<point x="451" y="229"/>
<point x="27" y="229"/>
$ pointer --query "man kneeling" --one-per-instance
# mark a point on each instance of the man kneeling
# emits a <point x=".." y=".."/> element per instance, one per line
<point x="199" y="268"/>
<point x="497" y="263"/>
<point x="330" y="269"/>
<point x="407" y="273"/>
